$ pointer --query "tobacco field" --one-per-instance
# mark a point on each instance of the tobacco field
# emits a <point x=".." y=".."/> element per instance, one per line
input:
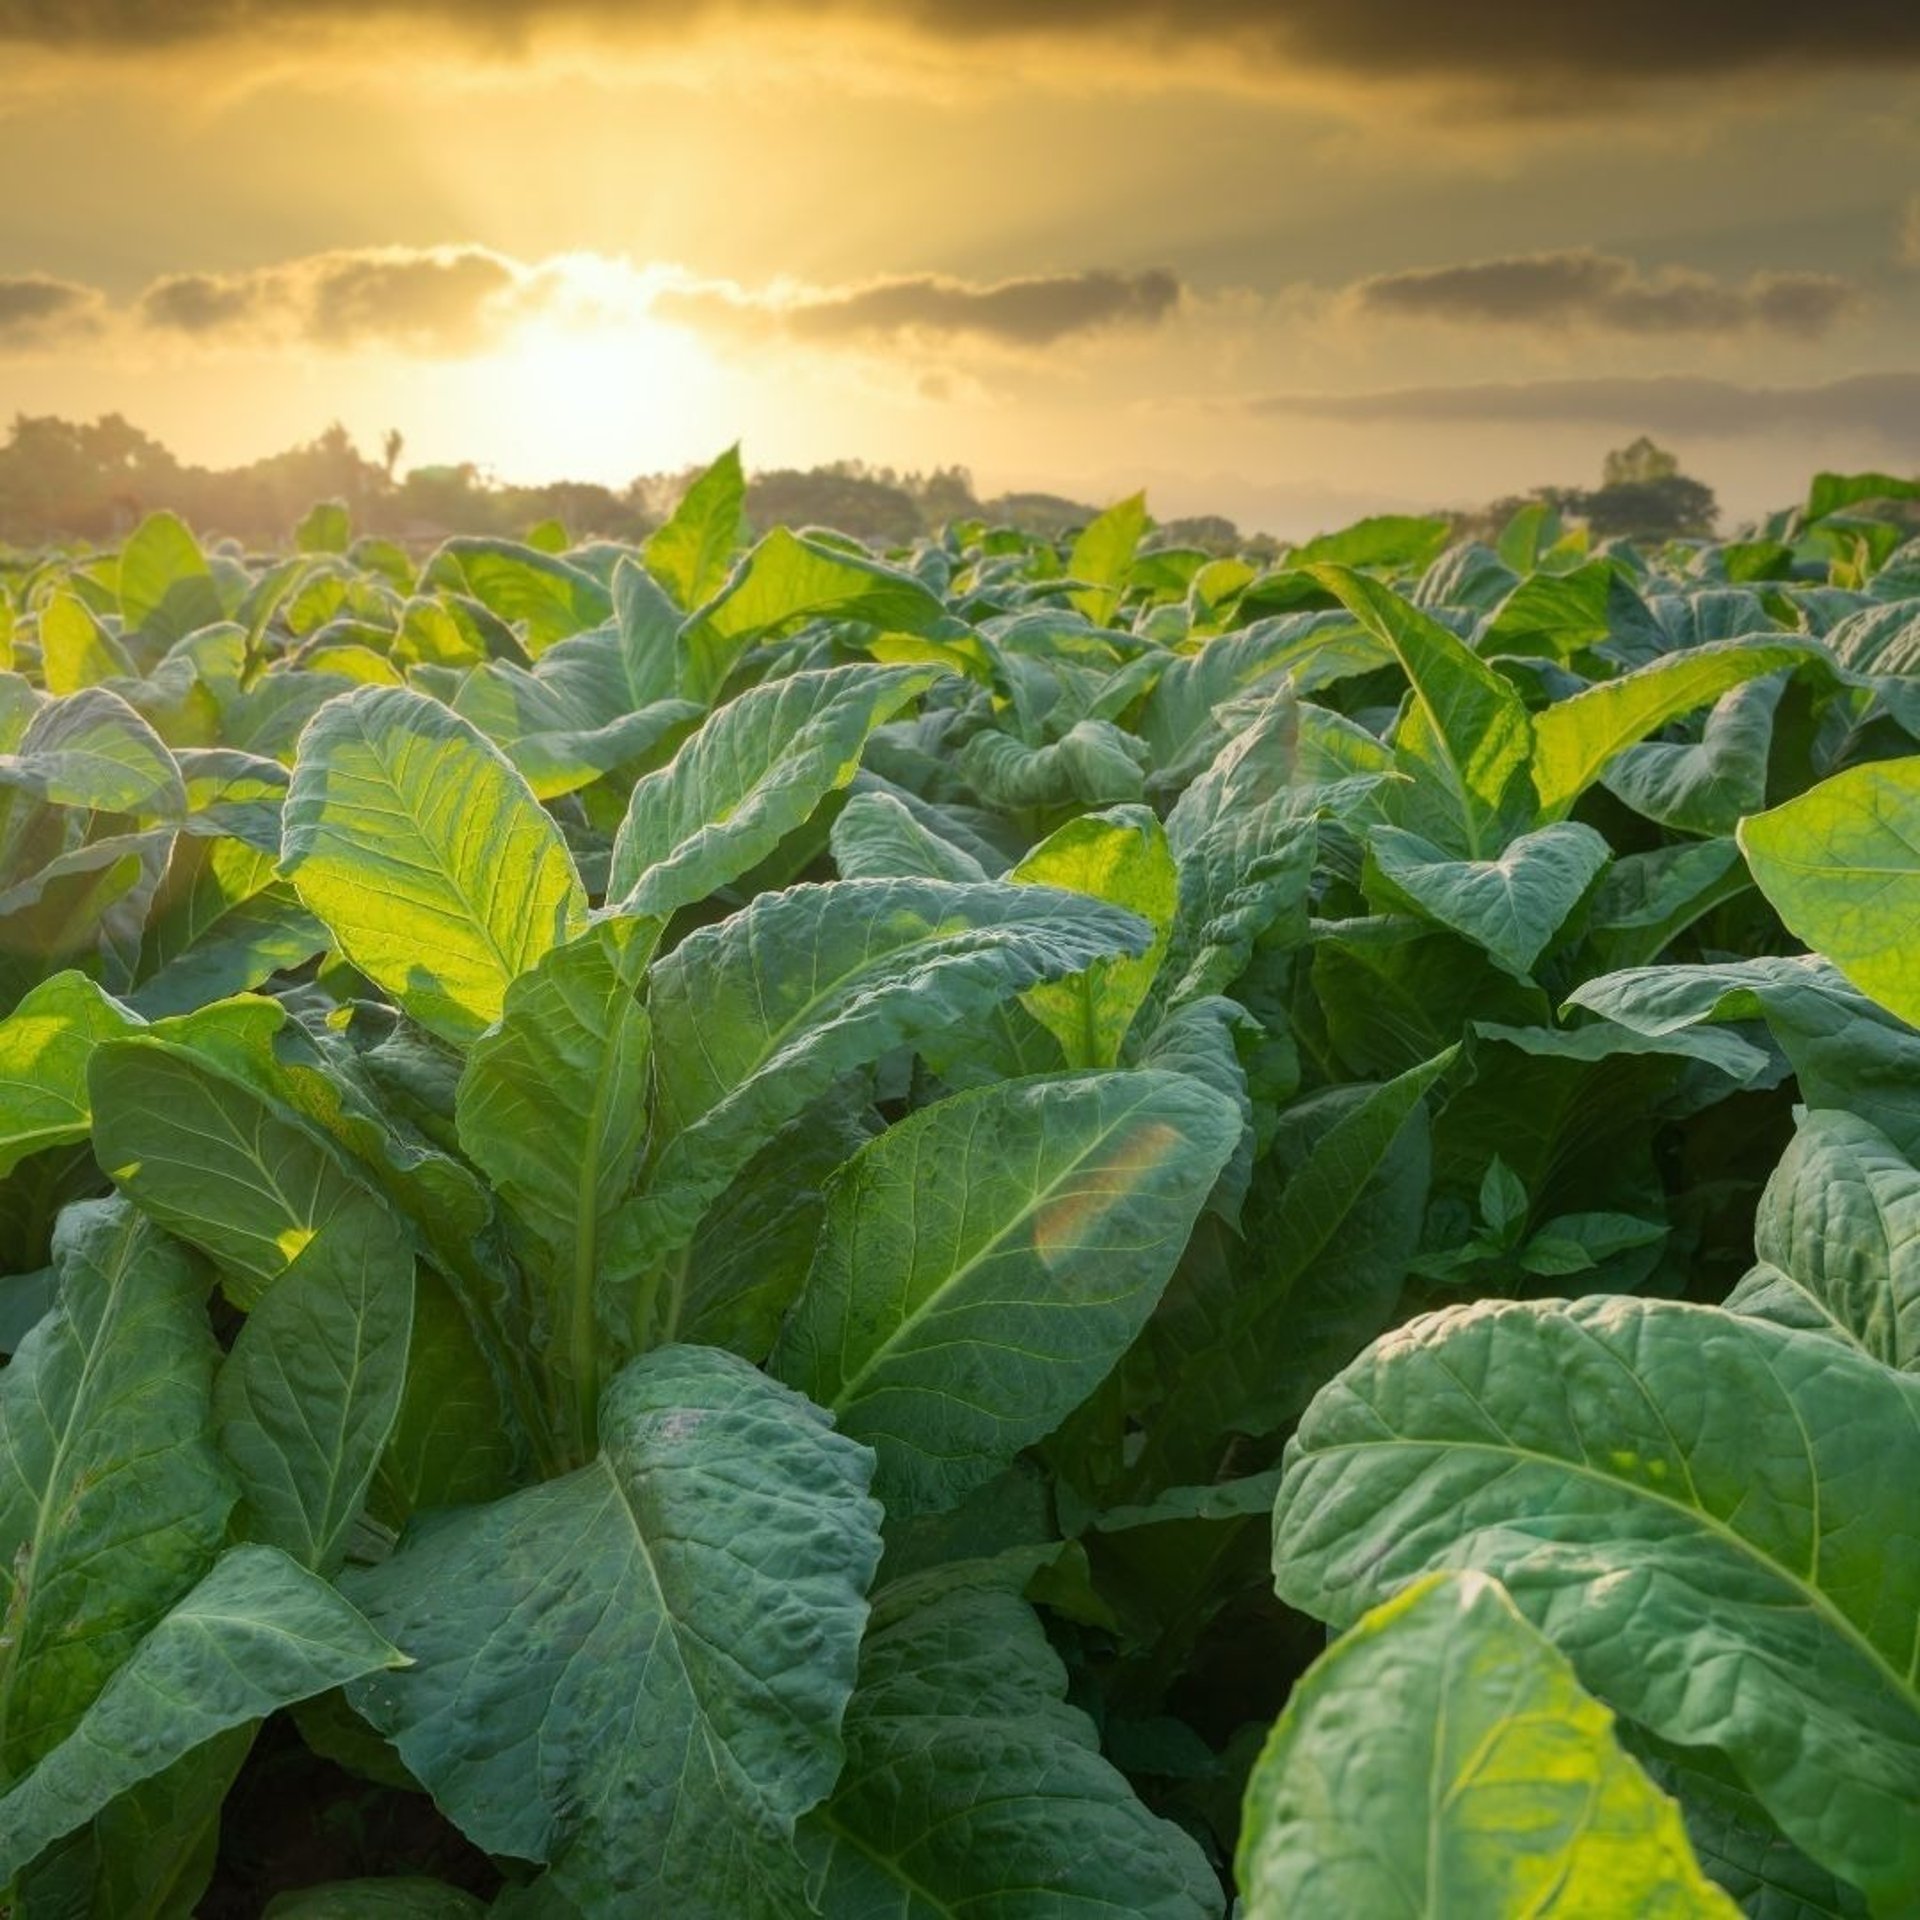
<point x="747" y="1228"/>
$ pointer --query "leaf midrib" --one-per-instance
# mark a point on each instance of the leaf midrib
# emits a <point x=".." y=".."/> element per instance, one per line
<point x="1816" y="1602"/>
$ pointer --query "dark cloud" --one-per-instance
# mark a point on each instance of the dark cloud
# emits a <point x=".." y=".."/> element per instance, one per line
<point x="1884" y="405"/>
<point x="438" y="300"/>
<point x="37" y="311"/>
<point x="200" y="303"/>
<point x="1581" y="289"/>
<point x="1033" y="312"/>
<point x="1568" y="51"/>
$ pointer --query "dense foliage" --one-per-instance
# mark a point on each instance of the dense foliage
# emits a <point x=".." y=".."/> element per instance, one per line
<point x="756" y="1230"/>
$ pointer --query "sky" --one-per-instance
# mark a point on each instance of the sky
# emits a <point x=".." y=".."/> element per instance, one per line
<point x="1290" y="260"/>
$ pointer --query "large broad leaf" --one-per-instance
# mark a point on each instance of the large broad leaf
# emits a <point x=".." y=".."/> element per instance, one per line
<point x="786" y="580"/>
<point x="1709" y="1515"/>
<point x="1240" y="1348"/>
<point x="1574" y="739"/>
<point x="755" y="1018"/>
<point x="1838" y="1235"/>
<point x="427" y="856"/>
<point x="222" y="924"/>
<point x="690" y="554"/>
<point x="309" y="1393"/>
<point x="112" y="1497"/>
<point x="1705" y="786"/>
<point x="166" y="587"/>
<point x="1443" y="1758"/>
<point x="1847" y="1051"/>
<point x="552" y="1107"/>
<point x="972" y="1787"/>
<point x="257" y="1633"/>
<point x="1466" y="736"/>
<point x="985" y="1262"/>
<point x="749" y="1260"/>
<point x="877" y="837"/>
<point x="1092" y="764"/>
<point x="216" y="1161"/>
<point x="1512" y="906"/>
<point x="1244" y="836"/>
<point x="408" y="1899"/>
<point x="1121" y="856"/>
<point x="92" y="750"/>
<point x="637" y="1672"/>
<point x="76" y="651"/>
<point x="45" y="1045"/>
<point x="753" y="773"/>
<point x="1841" y="865"/>
<point x="545" y="599"/>
<point x="1102" y="558"/>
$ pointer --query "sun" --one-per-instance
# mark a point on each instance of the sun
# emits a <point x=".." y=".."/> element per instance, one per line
<point x="601" y="399"/>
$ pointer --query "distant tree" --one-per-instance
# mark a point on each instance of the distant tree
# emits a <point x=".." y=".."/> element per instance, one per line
<point x="1644" y="495"/>
<point x="847" y="496"/>
<point x="392" y="443"/>
<point x="1213" y="532"/>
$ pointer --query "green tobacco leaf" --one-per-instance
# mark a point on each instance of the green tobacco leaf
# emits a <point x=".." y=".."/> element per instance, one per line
<point x="1705" y="786"/>
<point x="76" y="650"/>
<point x="972" y="1787"/>
<point x="166" y="587"/>
<point x="257" y="1633"/>
<point x="1841" y="865"/>
<point x="876" y="837"/>
<point x="1838" y="1236"/>
<point x="427" y="856"/>
<point x="691" y="553"/>
<point x="708" y="1566"/>
<point x="1466" y="732"/>
<point x="1381" y="540"/>
<point x="216" y="1162"/>
<point x="1121" y="856"/>
<point x="552" y="1107"/>
<point x="92" y="750"/>
<point x="754" y="1019"/>
<point x="1244" y="837"/>
<point x="749" y="1260"/>
<point x="451" y="1443"/>
<point x="1102" y="558"/>
<point x="1675" y="1495"/>
<point x="222" y="924"/>
<point x="1093" y="764"/>
<point x="545" y="600"/>
<point x="112" y="1498"/>
<point x="1647" y="900"/>
<point x="1442" y="1758"/>
<point x="1242" y="1350"/>
<point x="45" y="1045"/>
<point x="985" y="1262"/>
<point x="753" y="772"/>
<point x="1846" y="1050"/>
<point x="786" y="580"/>
<point x="310" y="1391"/>
<point x="1512" y="906"/>
<point x="1574" y="739"/>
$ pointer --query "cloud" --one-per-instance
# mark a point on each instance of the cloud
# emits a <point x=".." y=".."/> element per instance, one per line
<point x="1883" y="405"/>
<point x="443" y="301"/>
<point x="1498" y="44"/>
<point x="1033" y="312"/>
<point x="1581" y="290"/>
<point x="36" y="311"/>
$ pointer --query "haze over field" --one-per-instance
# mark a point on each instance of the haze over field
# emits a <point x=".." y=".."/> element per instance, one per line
<point x="1293" y="261"/>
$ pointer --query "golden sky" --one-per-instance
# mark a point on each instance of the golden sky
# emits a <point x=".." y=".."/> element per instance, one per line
<point x="1293" y="260"/>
